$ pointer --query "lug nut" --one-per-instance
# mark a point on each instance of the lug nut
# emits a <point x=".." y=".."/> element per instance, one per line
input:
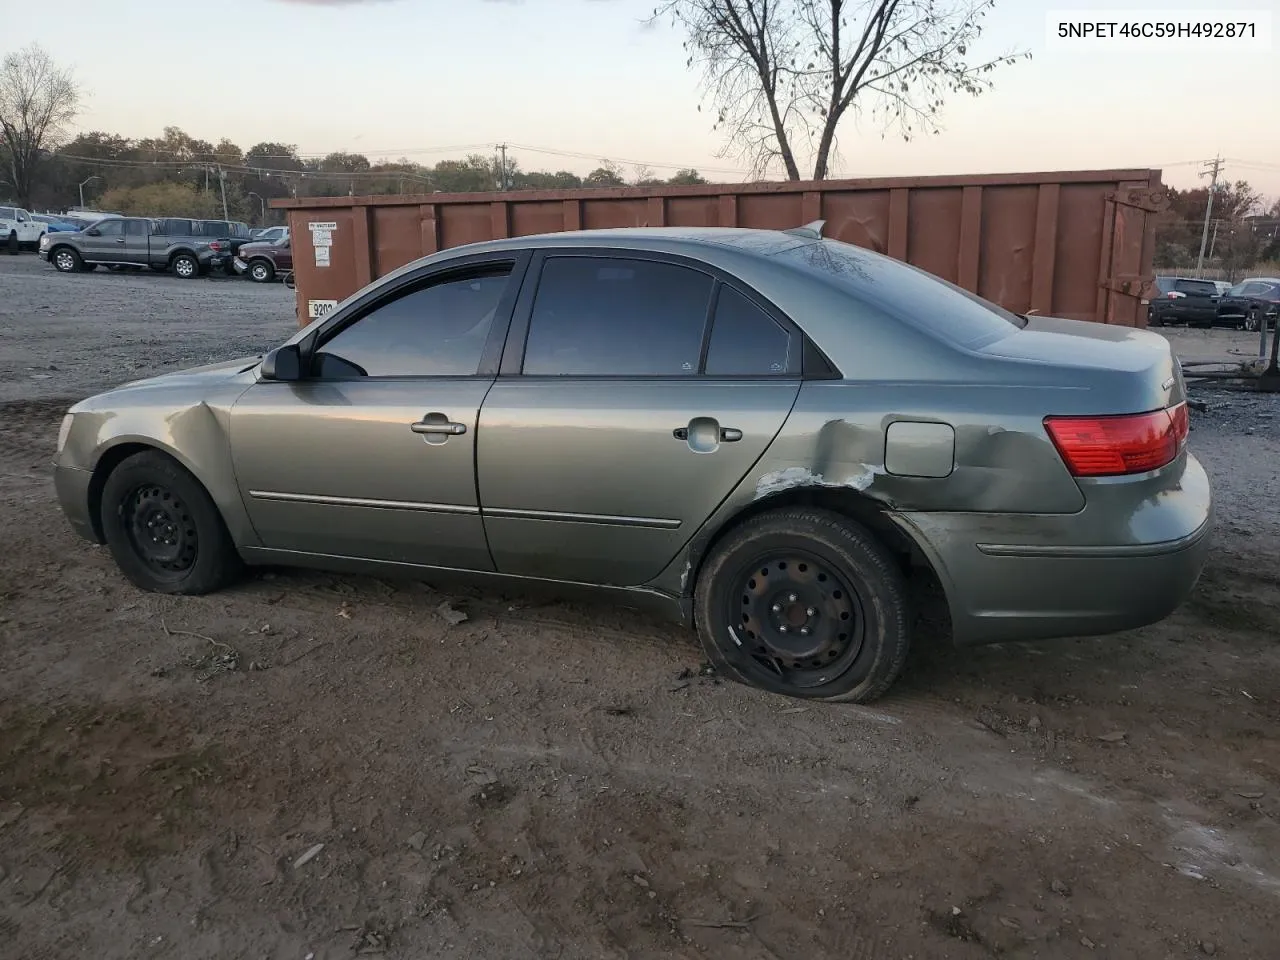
<point x="804" y="631"/>
<point x="783" y="628"/>
<point x="810" y="612"/>
<point x="792" y="598"/>
<point x="777" y="608"/>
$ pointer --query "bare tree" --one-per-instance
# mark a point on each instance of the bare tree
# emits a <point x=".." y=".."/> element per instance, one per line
<point x="782" y="74"/>
<point x="37" y="101"/>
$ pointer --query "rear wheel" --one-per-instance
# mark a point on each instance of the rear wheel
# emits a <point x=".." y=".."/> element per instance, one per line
<point x="67" y="260"/>
<point x="261" y="271"/>
<point x="1252" y="321"/>
<point x="186" y="266"/>
<point x="163" y="529"/>
<point x="804" y="603"/>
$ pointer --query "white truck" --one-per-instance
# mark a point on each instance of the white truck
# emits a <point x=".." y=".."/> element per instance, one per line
<point x="18" y="229"/>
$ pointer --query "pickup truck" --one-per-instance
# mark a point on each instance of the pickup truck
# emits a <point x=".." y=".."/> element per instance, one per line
<point x="262" y="260"/>
<point x="18" y="229"/>
<point x="132" y="242"/>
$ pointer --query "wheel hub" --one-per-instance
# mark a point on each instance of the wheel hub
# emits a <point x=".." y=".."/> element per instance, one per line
<point x="798" y="619"/>
<point x="162" y="531"/>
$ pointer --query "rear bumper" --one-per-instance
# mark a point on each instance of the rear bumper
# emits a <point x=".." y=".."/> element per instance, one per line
<point x="1042" y="585"/>
<point x="72" y="487"/>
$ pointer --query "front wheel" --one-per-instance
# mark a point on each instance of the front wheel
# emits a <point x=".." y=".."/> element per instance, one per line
<point x="804" y="603"/>
<point x="1252" y="321"/>
<point x="164" y="530"/>
<point x="260" y="271"/>
<point x="12" y="243"/>
<point x="67" y="260"/>
<point x="185" y="266"/>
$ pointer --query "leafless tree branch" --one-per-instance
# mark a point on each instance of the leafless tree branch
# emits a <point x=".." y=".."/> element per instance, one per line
<point x="38" y="99"/>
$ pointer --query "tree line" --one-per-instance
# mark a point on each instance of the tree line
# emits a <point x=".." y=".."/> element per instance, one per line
<point x="1243" y="235"/>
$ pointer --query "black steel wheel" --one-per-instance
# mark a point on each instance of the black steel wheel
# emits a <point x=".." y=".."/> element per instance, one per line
<point x="164" y="531"/>
<point x="797" y="618"/>
<point x="804" y="603"/>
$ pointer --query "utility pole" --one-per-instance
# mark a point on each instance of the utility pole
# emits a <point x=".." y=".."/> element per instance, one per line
<point x="1216" y="166"/>
<point x="222" y="183"/>
<point x="503" y="148"/>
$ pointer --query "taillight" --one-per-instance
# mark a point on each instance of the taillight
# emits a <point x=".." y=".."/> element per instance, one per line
<point x="1111" y="446"/>
<point x="215" y="246"/>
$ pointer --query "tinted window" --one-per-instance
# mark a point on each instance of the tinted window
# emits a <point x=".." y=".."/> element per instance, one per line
<point x="136" y="228"/>
<point x="745" y="341"/>
<point x="597" y="316"/>
<point x="179" y="228"/>
<point x="434" y="331"/>
<point x="935" y="304"/>
<point x="215" y="228"/>
<point x="111" y="228"/>
<point x="8" y="213"/>
<point x="1164" y="284"/>
<point x="1198" y="288"/>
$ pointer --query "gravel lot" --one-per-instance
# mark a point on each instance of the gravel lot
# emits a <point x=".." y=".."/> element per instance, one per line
<point x="321" y="766"/>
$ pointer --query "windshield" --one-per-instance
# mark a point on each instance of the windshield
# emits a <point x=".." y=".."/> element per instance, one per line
<point x="938" y="305"/>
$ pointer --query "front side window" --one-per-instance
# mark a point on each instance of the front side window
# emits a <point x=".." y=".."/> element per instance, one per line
<point x="605" y="316"/>
<point x="436" y="330"/>
<point x="745" y="341"/>
<point x="111" y="228"/>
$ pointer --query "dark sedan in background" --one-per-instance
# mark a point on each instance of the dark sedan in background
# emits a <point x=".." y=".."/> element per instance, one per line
<point x="1184" y="300"/>
<point x="1248" y="302"/>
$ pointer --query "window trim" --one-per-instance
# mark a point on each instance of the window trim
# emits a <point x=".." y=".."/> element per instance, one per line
<point x="807" y="361"/>
<point x="378" y="295"/>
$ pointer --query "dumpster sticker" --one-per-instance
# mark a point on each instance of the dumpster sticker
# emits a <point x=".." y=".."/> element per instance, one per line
<point x="322" y="239"/>
<point x="318" y="308"/>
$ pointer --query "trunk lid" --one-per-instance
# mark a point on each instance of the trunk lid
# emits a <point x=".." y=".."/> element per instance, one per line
<point x="1126" y="370"/>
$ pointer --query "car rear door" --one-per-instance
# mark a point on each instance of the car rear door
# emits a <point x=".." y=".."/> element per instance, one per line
<point x="372" y="456"/>
<point x="636" y="392"/>
<point x="1199" y="304"/>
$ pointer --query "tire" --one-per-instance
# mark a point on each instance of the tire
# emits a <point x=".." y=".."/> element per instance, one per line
<point x="849" y="594"/>
<point x="185" y="266"/>
<point x="66" y="260"/>
<point x="164" y="530"/>
<point x="1251" y="321"/>
<point x="11" y="244"/>
<point x="261" y="271"/>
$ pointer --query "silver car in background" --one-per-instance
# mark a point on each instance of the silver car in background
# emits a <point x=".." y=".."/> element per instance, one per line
<point x="765" y="434"/>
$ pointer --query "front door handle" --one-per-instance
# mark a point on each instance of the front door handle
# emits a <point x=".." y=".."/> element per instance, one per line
<point x="704" y="434"/>
<point x="447" y="427"/>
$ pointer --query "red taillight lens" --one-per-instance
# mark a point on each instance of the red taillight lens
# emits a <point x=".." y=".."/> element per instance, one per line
<point x="215" y="246"/>
<point x="1111" y="446"/>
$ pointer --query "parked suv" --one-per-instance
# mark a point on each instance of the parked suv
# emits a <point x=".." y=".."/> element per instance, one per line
<point x="1183" y="300"/>
<point x="1245" y="304"/>
<point x="18" y="229"/>
<point x="131" y="242"/>
<point x="262" y="260"/>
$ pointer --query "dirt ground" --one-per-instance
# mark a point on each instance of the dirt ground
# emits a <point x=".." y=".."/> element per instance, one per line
<point x="315" y="766"/>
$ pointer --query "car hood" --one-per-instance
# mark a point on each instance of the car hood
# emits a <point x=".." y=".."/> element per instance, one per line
<point x="254" y="246"/>
<point x="208" y="373"/>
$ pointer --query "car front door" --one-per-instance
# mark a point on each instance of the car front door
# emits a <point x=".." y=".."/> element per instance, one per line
<point x="1199" y="304"/>
<point x="636" y="392"/>
<point x="104" y="242"/>
<point x="372" y="454"/>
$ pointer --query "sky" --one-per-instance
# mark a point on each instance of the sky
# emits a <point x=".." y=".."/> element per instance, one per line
<point x="566" y="82"/>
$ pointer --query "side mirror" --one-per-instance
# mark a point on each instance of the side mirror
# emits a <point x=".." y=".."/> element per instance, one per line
<point x="94" y="232"/>
<point x="283" y="363"/>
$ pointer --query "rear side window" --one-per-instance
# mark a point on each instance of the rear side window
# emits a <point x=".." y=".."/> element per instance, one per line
<point x="136" y="228"/>
<point x="1197" y="288"/>
<point x="937" y="305"/>
<point x="605" y="316"/>
<point x="745" y="341"/>
<point x="437" y="330"/>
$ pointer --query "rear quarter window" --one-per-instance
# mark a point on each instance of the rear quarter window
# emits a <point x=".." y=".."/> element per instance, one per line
<point x="940" y="307"/>
<point x="1198" y="288"/>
